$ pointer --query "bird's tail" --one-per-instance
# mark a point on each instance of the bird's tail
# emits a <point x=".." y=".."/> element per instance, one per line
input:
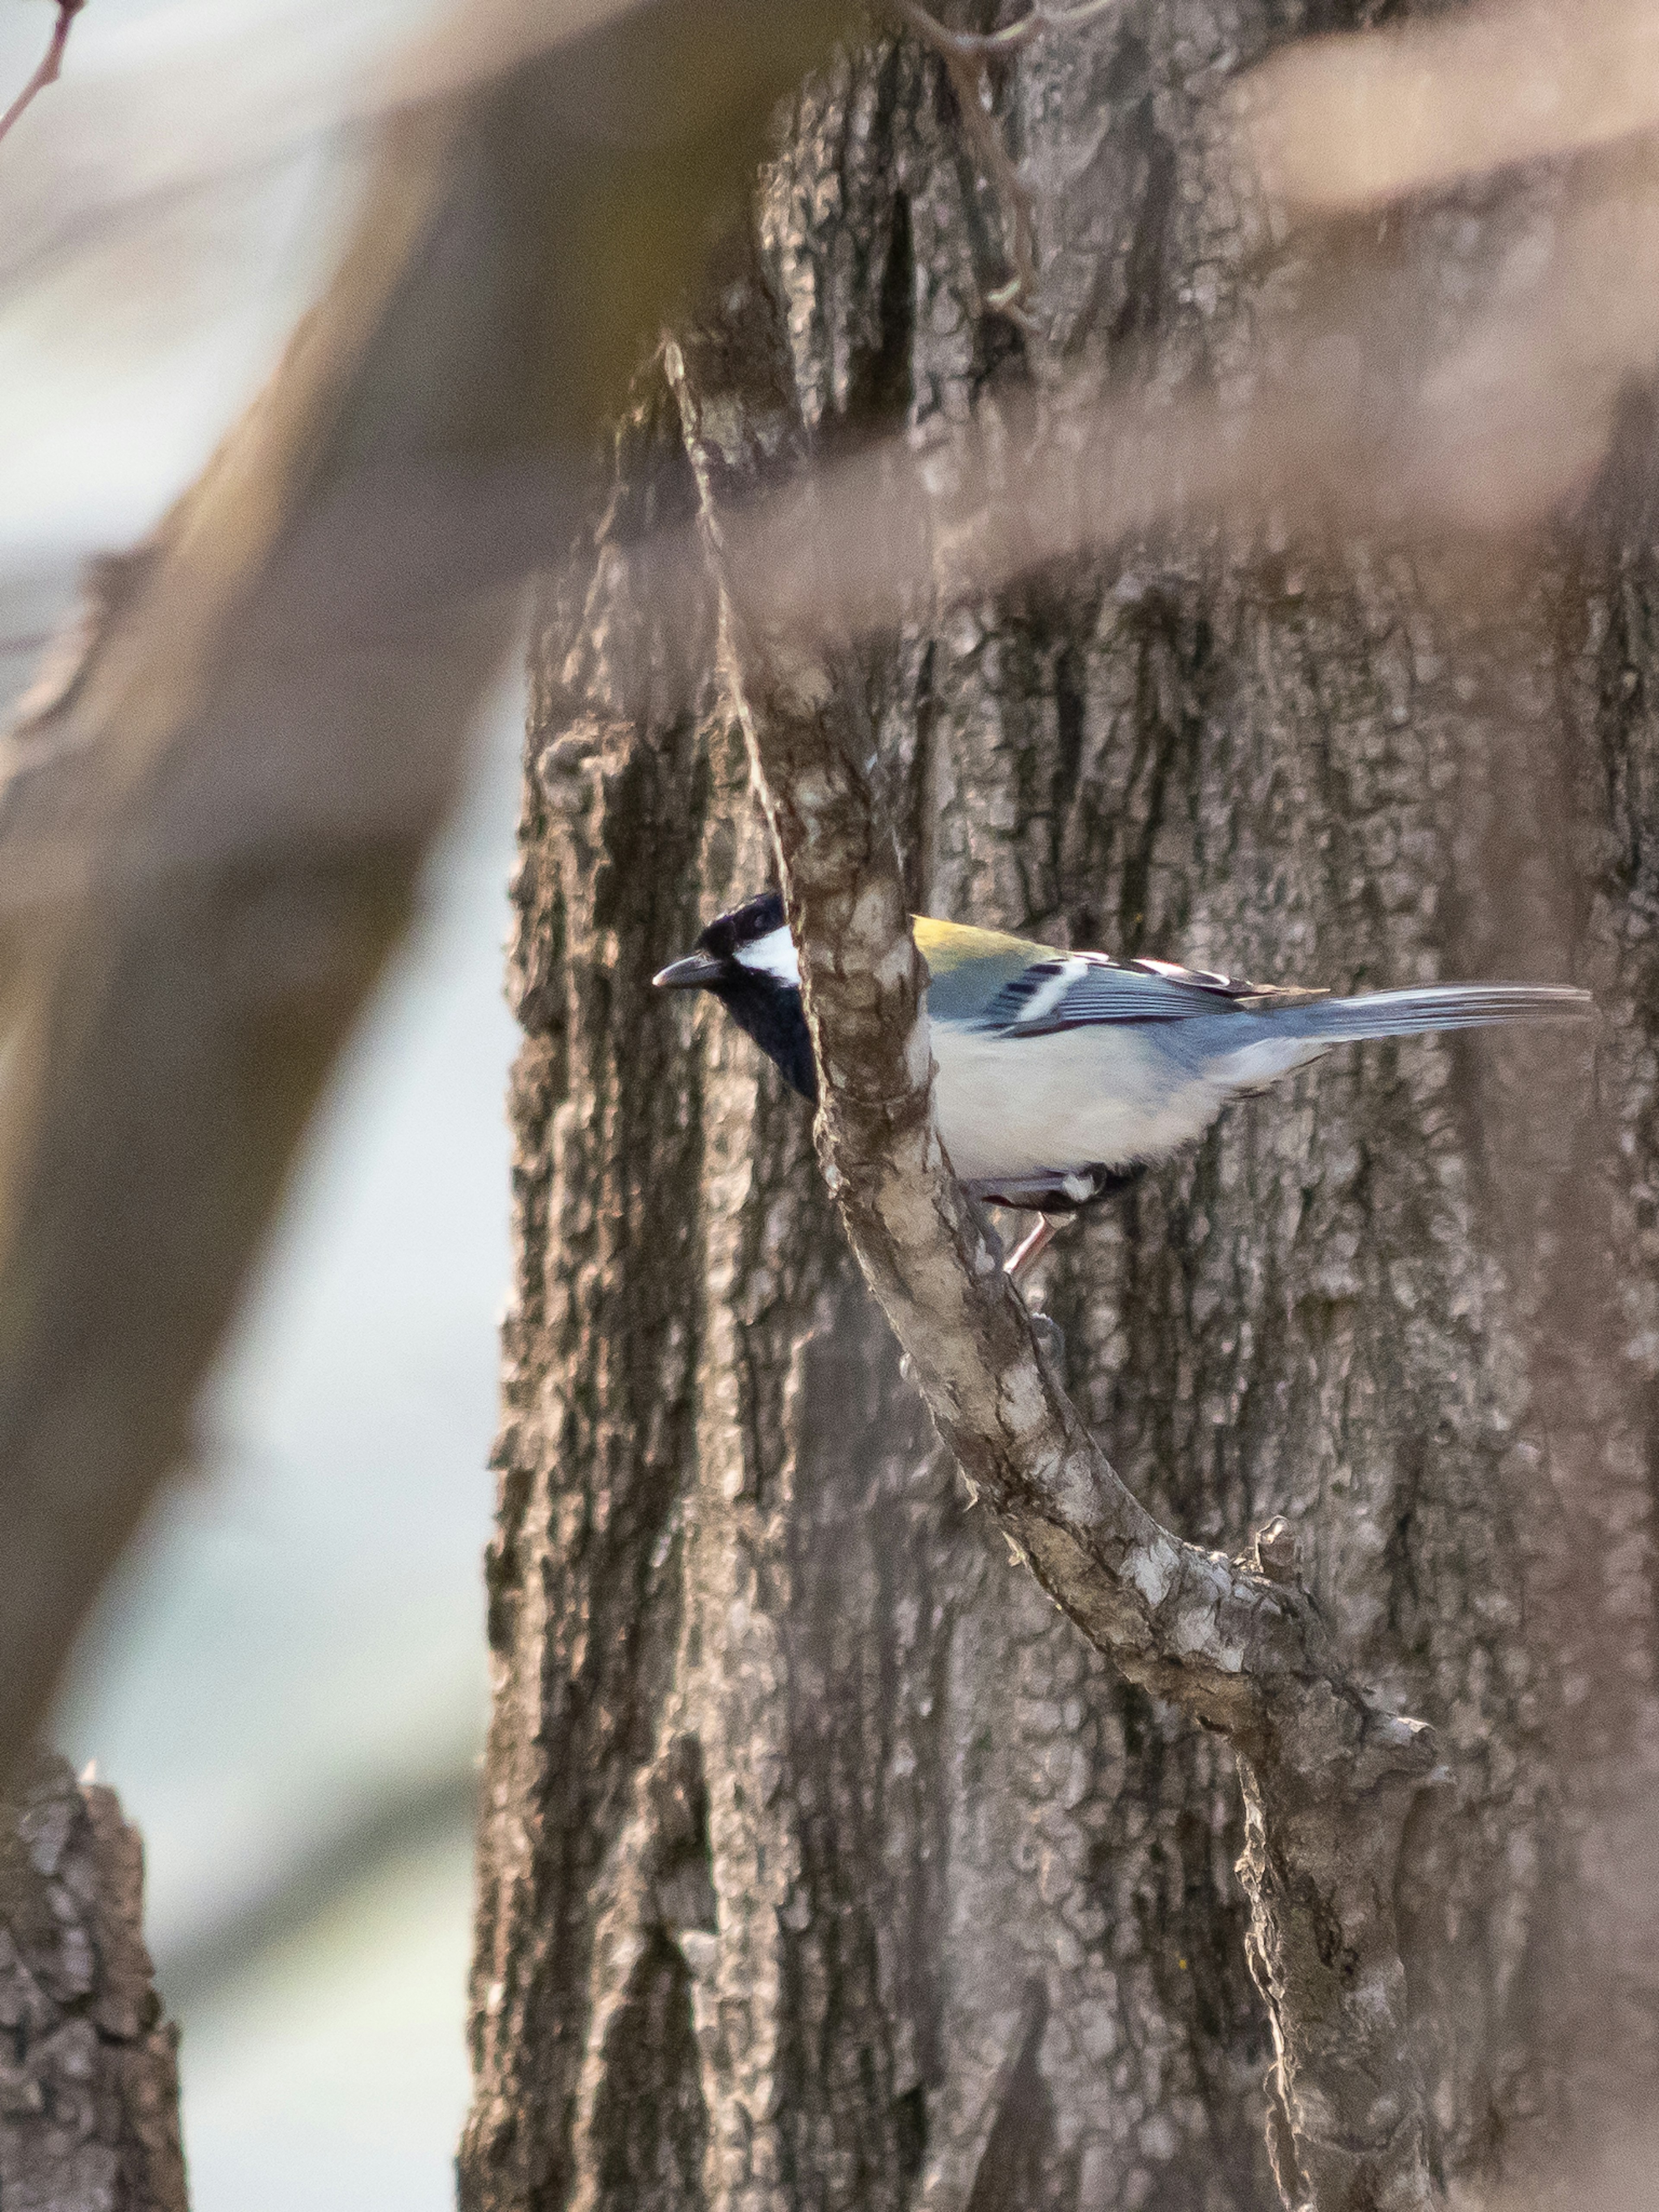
<point x="1435" y="1006"/>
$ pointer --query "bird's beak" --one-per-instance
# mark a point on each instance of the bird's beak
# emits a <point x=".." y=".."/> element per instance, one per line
<point x="691" y="974"/>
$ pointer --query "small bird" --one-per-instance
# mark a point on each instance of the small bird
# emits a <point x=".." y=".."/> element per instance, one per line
<point x="1063" y="1076"/>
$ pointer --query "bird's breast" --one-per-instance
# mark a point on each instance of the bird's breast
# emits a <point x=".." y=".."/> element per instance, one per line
<point x="1026" y="1106"/>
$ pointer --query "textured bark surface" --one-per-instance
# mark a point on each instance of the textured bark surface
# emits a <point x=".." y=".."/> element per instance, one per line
<point x="823" y="1863"/>
<point x="89" y="2084"/>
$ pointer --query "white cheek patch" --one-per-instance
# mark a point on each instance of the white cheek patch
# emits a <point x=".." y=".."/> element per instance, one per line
<point x="774" y="956"/>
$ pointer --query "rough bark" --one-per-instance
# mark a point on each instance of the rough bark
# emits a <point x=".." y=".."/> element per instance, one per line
<point x="89" y="2089"/>
<point x="823" y="1863"/>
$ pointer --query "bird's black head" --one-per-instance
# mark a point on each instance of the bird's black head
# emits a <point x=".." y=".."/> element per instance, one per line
<point x="747" y="959"/>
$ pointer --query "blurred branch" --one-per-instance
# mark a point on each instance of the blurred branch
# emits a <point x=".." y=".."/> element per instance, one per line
<point x="135" y="141"/>
<point x="1369" y="414"/>
<point x="211" y="833"/>
<point x="51" y="64"/>
<point x="90" y="2087"/>
<point x="1365" y="116"/>
<point x="412" y="1814"/>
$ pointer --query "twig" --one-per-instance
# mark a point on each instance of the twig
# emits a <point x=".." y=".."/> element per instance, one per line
<point x="51" y="65"/>
<point x="969" y="81"/>
<point x="967" y="56"/>
<point x="1039" y="23"/>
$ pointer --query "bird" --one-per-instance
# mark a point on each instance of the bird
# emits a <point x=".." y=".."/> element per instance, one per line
<point x="1061" y="1077"/>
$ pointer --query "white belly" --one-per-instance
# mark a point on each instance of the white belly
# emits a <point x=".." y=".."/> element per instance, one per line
<point x="1107" y="1095"/>
<point x="1034" y="1106"/>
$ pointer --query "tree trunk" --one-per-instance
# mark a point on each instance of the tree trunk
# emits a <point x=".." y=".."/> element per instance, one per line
<point x="822" y="1863"/>
<point x="89" y="2083"/>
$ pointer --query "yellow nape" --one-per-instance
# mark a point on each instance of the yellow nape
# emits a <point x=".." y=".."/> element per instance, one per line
<point x="947" y="945"/>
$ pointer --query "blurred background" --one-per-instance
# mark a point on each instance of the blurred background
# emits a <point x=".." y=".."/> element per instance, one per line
<point x="288" y="1685"/>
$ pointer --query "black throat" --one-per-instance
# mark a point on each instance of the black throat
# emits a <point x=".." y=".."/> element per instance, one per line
<point x="771" y="1013"/>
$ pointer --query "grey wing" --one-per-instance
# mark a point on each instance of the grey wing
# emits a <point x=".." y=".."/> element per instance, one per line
<point x="1076" y="989"/>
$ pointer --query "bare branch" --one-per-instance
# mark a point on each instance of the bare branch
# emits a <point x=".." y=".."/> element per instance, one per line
<point x="1328" y="1775"/>
<point x="51" y="64"/>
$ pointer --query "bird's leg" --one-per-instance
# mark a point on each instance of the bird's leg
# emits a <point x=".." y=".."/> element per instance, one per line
<point x="1047" y="1332"/>
<point x="1032" y="1248"/>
